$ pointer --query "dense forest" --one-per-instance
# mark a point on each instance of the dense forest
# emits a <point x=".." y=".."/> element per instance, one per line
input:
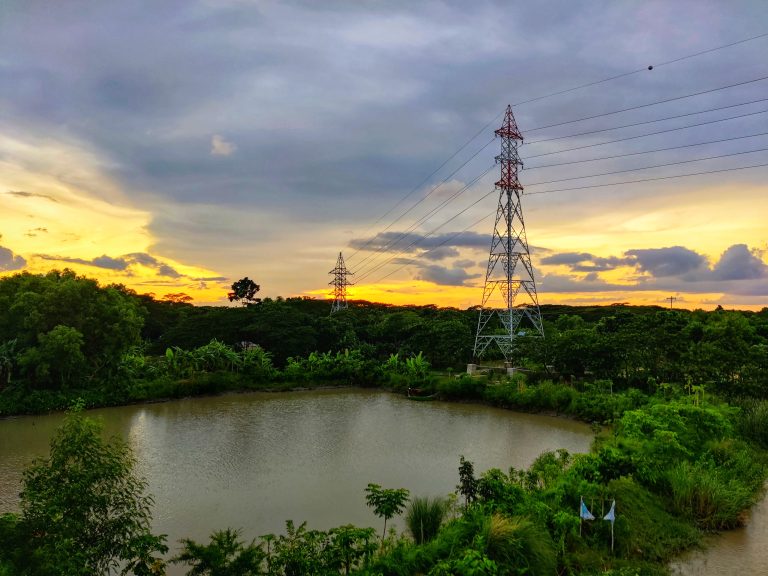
<point x="677" y="399"/>
<point x="60" y="332"/>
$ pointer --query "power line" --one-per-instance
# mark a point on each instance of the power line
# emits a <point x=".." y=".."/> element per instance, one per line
<point x="573" y="121"/>
<point x="452" y="218"/>
<point x="666" y="100"/>
<point x="559" y="152"/>
<point x="423" y="218"/>
<point x="763" y="35"/>
<point x="435" y="171"/>
<point x="381" y="249"/>
<point x="434" y="188"/>
<point x="542" y="192"/>
<point x="404" y="234"/>
<point x="646" y="122"/>
<point x="648" y="134"/>
<point x="443" y="243"/>
<point x="647" y="167"/>
<point x="485" y="127"/>
<point x="373" y="267"/>
<point x="649" y="179"/>
<point x="644" y="69"/>
<point x="614" y="128"/>
<point x="529" y="168"/>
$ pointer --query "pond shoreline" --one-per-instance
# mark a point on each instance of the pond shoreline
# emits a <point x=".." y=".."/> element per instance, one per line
<point x="692" y="555"/>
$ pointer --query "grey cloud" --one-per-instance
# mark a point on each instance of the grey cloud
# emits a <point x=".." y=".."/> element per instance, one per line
<point x="567" y="258"/>
<point x="585" y="262"/>
<point x="23" y="194"/>
<point x="290" y="83"/>
<point x="411" y="241"/>
<point x="738" y="271"/>
<point x="121" y="263"/>
<point x="10" y="261"/>
<point x="142" y="258"/>
<point x="672" y="261"/>
<point x="165" y="270"/>
<point x="440" y="253"/>
<point x="445" y="276"/>
<point x="739" y="263"/>
<point x="102" y="261"/>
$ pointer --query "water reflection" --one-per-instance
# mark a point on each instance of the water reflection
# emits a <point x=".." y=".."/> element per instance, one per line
<point x="252" y="461"/>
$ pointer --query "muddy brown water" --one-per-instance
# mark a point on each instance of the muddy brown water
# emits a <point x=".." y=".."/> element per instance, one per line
<point x="251" y="461"/>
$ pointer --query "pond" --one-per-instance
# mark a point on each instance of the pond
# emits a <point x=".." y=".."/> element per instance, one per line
<point x="251" y="461"/>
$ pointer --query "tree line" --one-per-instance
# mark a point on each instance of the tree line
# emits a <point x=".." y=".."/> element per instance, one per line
<point x="60" y="331"/>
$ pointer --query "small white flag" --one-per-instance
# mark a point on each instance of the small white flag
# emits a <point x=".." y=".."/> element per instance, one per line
<point x="584" y="512"/>
<point x="611" y="516"/>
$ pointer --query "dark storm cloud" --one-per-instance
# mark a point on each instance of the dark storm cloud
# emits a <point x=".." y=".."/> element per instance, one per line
<point x="290" y="86"/>
<point x="10" y="261"/>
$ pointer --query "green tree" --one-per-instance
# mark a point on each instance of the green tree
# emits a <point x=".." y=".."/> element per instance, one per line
<point x="58" y="357"/>
<point x="226" y="555"/>
<point x="386" y="502"/>
<point x="33" y="307"/>
<point x="244" y="289"/>
<point x="351" y="546"/>
<point x="83" y="509"/>
<point x="6" y="362"/>
<point x="467" y="486"/>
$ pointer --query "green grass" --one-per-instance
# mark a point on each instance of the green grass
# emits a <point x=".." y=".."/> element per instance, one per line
<point x="424" y="517"/>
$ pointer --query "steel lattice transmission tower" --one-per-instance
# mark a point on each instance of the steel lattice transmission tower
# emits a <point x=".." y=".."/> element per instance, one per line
<point x="340" y="283"/>
<point x="510" y="304"/>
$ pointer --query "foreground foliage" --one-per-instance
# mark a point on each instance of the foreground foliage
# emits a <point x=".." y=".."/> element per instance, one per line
<point x="83" y="510"/>
<point x="677" y="460"/>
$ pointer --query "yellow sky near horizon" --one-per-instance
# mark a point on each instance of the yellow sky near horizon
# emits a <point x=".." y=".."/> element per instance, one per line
<point x="66" y="212"/>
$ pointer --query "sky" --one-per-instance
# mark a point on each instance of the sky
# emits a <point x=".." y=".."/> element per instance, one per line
<point x="178" y="146"/>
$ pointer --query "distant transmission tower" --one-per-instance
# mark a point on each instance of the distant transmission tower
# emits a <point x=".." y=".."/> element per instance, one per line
<point x="510" y="304"/>
<point x="340" y="284"/>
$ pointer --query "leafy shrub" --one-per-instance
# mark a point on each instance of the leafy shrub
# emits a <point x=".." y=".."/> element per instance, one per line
<point x="518" y="545"/>
<point x="464" y="387"/>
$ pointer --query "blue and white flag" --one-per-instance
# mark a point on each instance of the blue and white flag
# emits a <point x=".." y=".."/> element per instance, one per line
<point x="611" y="516"/>
<point x="584" y="513"/>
